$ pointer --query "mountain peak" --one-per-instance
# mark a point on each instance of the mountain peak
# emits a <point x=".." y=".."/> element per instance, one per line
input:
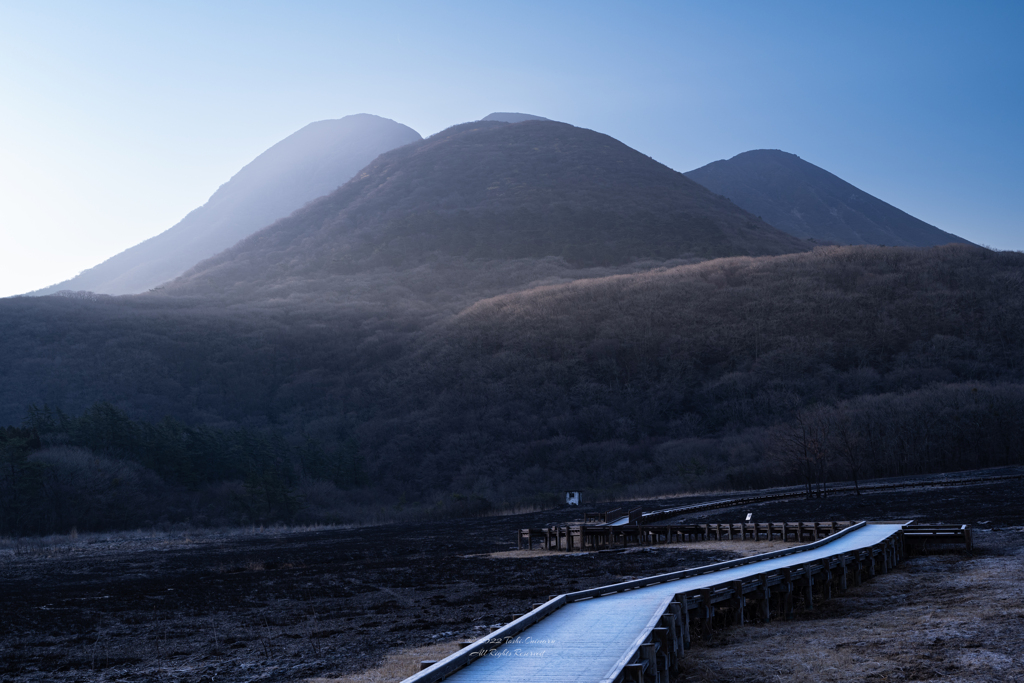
<point x="483" y="193"/>
<point x="309" y="163"/>
<point x="512" y="117"/>
<point x="808" y="202"/>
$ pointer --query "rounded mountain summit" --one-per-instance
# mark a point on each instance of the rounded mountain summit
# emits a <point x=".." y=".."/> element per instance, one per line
<point x="307" y="164"/>
<point x="809" y="202"/>
<point x="492" y="191"/>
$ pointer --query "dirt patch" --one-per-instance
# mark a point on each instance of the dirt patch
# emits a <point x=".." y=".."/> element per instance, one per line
<point x="740" y="548"/>
<point x="397" y="666"/>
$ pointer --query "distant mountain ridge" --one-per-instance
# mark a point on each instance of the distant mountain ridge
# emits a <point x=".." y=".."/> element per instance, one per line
<point x="492" y="191"/>
<point x="808" y="202"/>
<point x="308" y="164"/>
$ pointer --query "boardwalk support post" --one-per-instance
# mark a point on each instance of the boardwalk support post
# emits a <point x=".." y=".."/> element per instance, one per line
<point x="707" y="611"/>
<point x="826" y="566"/>
<point x="675" y="625"/>
<point x="766" y="597"/>
<point x="686" y="625"/>
<point x="787" y="586"/>
<point x="808" y="590"/>
<point x="738" y="602"/>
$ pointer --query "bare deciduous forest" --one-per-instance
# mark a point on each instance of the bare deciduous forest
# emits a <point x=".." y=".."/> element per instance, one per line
<point x="842" y="363"/>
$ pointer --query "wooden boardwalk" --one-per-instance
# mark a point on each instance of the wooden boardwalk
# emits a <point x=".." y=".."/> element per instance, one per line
<point x="575" y="537"/>
<point x="639" y="630"/>
<point x="621" y="527"/>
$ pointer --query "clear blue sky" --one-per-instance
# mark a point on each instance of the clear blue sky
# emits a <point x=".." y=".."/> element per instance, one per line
<point x="116" y="119"/>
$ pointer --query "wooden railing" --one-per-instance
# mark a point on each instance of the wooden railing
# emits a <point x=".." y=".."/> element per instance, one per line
<point x="571" y="533"/>
<point x="918" y="536"/>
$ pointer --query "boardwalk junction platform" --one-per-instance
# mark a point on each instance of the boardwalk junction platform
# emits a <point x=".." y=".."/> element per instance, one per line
<point x="576" y="537"/>
<point x="640" y="630"/>
<point x="621" y="527"/>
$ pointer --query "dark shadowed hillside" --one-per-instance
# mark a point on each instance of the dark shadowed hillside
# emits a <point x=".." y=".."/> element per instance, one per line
<point x="873" y="360"/>
<point x="894" y="360"/>
<point x="803" y="200"/>
<point x="307" y="164"/>
<point x="489" y="193"/>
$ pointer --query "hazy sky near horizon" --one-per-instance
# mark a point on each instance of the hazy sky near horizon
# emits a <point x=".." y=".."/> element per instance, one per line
<point x="118" y="118"/>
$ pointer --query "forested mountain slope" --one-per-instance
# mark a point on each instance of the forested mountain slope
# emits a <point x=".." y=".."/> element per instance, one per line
<point x="487" y="193"/>
<point x="808" y="202"/>
<point x="701" y="372"/>
<point x="887" y="360"/>
<point x="307" y="164"/>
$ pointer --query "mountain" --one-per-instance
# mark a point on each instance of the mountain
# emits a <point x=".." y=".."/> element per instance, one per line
<point x="488" y="194"/>
<point x="307" y="164"/>
<point x="808" y="202"/>
<point x="498" y="314"/>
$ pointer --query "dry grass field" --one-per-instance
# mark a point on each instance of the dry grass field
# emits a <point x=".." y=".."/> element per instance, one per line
<point x="368" y="604"/>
